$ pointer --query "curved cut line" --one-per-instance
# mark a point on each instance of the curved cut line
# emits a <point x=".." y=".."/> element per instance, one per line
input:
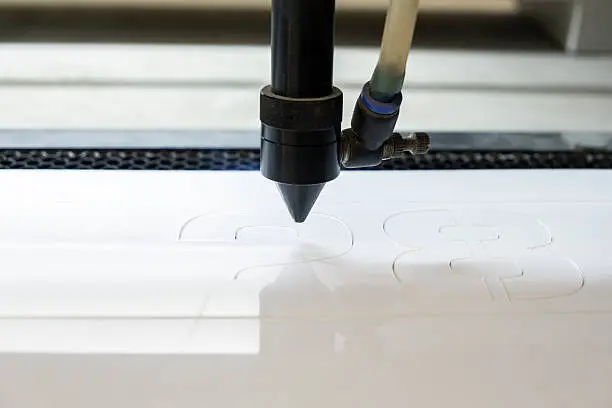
<point x="391" y="217"/>
<point x="566" y="294"/>
<point x="304" y="262"/>
<point x="502" y="281"/>
<point x="187" y="223"/>
<point x="246" y="227"/>
<point x="549" y="239"/>
<point x="197" y="217"/>
<point x="216" y="213"/>
<point x="549" y="236"/>
<point x="548" y="233"/>
<point x="395" y="262"/>
<point x="485" y="283"/>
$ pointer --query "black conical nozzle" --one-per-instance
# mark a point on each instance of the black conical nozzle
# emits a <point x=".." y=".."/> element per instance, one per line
<point x="300" y="198"/>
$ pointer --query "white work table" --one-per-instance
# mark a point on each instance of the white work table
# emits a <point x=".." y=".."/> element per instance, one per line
<point x="429" y="289"/>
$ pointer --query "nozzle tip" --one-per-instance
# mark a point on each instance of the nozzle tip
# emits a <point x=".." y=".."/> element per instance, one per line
<point x="300" y="198"/>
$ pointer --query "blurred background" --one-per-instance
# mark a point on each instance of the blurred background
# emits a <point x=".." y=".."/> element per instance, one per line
<point x="499" y="74"/>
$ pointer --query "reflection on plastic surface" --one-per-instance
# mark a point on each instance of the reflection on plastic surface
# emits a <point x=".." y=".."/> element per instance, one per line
<point x="432" y="258"/>
<point x="284" y="249"/>
<point x="353" y="260"/>
<point x="499" y="300"/>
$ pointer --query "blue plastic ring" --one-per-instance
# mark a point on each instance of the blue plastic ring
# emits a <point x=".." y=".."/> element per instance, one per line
<point x="380" y="108"/>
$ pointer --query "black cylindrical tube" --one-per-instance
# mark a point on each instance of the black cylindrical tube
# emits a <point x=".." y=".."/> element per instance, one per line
<point x="302" y="68"/>
<point x="302" y="47"/>
<point x="301" y="111"/>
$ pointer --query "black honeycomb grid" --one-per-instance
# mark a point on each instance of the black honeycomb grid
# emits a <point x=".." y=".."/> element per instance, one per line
<point x="244" y="160"/>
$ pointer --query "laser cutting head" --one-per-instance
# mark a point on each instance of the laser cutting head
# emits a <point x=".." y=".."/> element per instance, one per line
<point x="302" y="145"/>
